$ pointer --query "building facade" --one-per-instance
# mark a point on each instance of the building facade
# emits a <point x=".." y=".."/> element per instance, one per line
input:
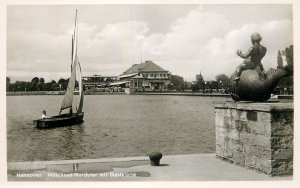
<point x="146" y="76"/>
<point x="97" y="82"/>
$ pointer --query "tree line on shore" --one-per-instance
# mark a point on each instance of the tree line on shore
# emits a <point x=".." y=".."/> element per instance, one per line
<point x="286" y="85"/>
<point x="220" y="85"/>
<point x="177" y="84"/>
<point x="36" y="84"/>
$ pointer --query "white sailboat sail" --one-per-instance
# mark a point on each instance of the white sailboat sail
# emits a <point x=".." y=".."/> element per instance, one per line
<point x="68" y="98"/>
<point x="81" y="94"/>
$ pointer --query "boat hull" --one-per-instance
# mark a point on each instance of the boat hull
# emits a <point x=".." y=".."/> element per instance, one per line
<point x="59" y="121"/>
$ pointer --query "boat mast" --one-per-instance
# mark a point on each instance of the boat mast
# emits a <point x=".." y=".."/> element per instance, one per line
<point x="74" y="46"/>
<point x="68" y="98"/>
<point x="78" y="67"/>
<point x="74" y="52"/>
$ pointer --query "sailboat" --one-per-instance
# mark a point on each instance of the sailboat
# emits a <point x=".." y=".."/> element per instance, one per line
<point x="68" y="118"/>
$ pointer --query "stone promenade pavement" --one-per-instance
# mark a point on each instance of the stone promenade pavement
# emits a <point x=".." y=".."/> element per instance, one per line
<point x="193" y="167"/>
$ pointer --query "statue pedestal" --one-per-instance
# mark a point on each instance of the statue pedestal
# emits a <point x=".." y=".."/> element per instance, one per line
<point x="256" y="135"/>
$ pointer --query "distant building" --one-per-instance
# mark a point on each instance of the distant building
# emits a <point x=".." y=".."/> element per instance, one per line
<point x="146" y="76"/>
<point x="97" y="82"/>
<point x="199" y="76"/>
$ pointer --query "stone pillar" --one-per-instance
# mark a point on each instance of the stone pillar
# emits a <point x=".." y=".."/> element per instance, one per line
<point x="256" y="135"/>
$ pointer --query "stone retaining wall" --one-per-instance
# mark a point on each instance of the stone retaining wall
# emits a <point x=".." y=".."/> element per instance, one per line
<point x="256" y="135"/>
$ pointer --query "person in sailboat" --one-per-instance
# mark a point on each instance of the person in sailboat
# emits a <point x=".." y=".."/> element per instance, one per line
<point x="44" y="116"/>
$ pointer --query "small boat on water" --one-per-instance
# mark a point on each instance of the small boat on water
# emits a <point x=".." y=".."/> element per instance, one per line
<point x="68" y="118"/>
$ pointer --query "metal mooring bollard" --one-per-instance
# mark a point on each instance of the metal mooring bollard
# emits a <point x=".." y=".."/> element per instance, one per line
<point x="155" y="158"/>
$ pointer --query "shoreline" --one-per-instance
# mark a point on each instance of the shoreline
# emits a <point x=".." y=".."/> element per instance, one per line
<point x="29" y="93"/>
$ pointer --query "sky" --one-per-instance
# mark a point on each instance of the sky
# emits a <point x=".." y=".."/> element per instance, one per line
<point x="183" y="39"/>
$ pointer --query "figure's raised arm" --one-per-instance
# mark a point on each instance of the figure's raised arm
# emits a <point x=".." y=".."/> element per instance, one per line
<point x="246" y="55"/>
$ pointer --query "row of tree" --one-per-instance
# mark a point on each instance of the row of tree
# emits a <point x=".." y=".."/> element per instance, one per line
<point x="286" y="84"/>
<point x="221" y="84"/>
<point x="177" y="84"/>
<point x="36" y="84"/>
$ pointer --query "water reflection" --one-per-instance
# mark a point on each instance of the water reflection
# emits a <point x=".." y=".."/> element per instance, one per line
<point x="72" y="141"/>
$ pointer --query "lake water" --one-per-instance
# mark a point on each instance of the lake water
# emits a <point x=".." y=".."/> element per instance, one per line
<point x="114" y="126"/>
